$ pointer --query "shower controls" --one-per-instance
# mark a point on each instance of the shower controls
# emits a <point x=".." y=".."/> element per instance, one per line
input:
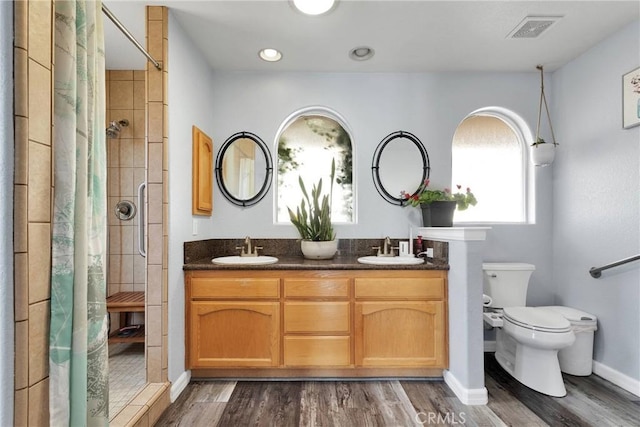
<point x="113" y="131"/>
<point x="125" y="210"/>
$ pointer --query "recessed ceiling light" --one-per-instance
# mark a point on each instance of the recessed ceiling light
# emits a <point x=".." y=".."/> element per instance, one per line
<point x="361" y="53"/>
<point x="314" y="7"/>
<point x="270" y="55"/>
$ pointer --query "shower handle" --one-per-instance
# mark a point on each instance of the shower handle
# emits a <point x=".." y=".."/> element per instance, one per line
<point x="141" y="218"/>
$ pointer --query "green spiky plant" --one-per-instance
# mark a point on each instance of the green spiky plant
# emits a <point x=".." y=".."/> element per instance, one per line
<point x="313" y="217"/>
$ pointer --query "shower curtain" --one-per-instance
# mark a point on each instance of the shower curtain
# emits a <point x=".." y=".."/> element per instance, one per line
<point x="78" y="356"/>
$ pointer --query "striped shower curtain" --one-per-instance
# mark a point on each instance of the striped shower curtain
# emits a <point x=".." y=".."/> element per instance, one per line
<point x="78" y="356"/>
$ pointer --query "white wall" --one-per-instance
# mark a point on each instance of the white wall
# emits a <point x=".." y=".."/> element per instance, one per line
<point x="6" y="213"/>
<point x="596" y="205"/>
<point x="190" y="103"/>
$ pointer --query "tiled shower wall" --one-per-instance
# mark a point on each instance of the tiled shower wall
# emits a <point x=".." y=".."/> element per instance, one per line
<point x="125" y="96"/>
<point x="157" y="195"/>
<point x="33" y="189"/>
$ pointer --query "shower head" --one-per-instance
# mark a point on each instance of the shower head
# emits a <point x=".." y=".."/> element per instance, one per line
<point x="113" y="131"/>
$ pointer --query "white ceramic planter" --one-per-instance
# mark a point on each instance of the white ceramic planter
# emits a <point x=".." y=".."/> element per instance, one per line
<point x="319" y="250"/>
<point x="542" y="154"/>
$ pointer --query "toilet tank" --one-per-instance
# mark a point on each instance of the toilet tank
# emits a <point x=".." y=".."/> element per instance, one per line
<point x="507" y="283"/>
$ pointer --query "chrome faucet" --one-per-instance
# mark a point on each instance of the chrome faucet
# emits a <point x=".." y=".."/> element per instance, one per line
<point x="387" y="249"/>
<point x="245" y="249"/>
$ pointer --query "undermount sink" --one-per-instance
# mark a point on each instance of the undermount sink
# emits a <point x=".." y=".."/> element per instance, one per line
<point x="390" y="260"/>
<point x="245" y="260"/>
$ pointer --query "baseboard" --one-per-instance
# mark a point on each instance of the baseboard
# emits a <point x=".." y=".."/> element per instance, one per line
<point x="616" y="377"/>
<point x="489" y="346"/>
<point x="468" y="396"/>
<point x="179" y="385"/>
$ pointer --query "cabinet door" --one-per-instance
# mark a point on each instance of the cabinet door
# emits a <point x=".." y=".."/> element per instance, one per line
<point x="400" y="334"/>
<point x="202" y="180"/>
<point x="238" y="334"/>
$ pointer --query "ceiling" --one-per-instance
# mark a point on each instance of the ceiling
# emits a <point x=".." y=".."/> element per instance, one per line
<point x="407" y="36"/>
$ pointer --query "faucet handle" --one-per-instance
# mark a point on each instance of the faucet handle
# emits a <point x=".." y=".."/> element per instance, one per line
<point x="397" y="248"/>
<point x="241" y="249"/>
<point x="376" y="248"/>
<point x="255" y="250"/>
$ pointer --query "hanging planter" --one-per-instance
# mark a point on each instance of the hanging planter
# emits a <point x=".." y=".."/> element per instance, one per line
<point x="542" y="152"/>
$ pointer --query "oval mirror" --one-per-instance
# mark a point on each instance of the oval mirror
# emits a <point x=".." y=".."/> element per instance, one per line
<point x="243" y="169"/>
<point x="400" y="163"/>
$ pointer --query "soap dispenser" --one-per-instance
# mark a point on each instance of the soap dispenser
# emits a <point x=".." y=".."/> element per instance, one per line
<point x="417" y="247"/>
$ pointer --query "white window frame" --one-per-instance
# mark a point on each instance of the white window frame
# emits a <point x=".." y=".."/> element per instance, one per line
<point x="330" y="113"/>
<point x="524" y="137"/>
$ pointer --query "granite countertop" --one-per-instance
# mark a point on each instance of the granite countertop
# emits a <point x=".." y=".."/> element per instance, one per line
<point x="198" y="255"/>
<point x="342" y="262"/>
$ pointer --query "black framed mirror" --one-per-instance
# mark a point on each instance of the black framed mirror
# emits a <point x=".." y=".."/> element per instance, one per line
<point x="400" y="163"/>
<point x="243" y="169"/>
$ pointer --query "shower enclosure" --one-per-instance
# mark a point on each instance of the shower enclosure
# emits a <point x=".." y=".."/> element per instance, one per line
<point x="126" y="276"/>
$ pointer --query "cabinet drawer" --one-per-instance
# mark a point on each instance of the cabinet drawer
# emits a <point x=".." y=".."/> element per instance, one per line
<point x="316" y="317"/>
<point x="317" y="351"/>
<point x="394" y="287"/>
<point x="316" y="288"/>
<point x="235" y="288"/>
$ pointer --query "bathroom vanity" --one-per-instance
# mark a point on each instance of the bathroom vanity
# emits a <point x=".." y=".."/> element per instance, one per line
<point x="301" y="318"/>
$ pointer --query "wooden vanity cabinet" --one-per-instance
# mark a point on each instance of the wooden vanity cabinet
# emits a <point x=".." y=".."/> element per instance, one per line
<point x="233" y="321"/>
<point x="400" y="322"/>
<point x="329" y="322"/>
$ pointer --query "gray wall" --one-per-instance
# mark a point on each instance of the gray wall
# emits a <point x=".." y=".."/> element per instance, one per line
<point x="596" y="205"/>
<point x="190" y="103"/>
<point x="430" y="105"/>
<point x="6" y="213"/>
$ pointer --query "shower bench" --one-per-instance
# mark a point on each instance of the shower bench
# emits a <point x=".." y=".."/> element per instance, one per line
<point x="126" y="303"/>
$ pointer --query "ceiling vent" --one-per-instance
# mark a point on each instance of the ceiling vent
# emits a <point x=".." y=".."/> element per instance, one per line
<point x="532" y="26"/>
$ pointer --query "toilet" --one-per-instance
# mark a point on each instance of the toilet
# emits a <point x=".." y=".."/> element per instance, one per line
<point x="528" y="338"/>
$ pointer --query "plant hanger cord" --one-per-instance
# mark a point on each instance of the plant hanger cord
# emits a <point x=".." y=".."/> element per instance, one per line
<point x="543" y="99"/>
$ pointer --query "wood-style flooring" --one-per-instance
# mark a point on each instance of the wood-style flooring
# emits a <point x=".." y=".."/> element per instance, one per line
<point x="590" y="401"/>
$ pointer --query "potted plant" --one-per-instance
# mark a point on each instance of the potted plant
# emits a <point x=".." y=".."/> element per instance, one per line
<point x="312" y="219"/>
<point x="542" y="152"/>
<point x="438" y="206"/>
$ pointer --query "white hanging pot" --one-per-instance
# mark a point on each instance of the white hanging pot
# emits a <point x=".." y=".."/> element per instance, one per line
<point x="542" y="154"/>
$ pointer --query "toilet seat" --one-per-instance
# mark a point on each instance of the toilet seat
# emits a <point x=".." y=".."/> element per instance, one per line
<point x="537" y="319"/>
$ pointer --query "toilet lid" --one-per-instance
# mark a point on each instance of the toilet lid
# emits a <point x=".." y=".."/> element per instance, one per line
<point x="574" y="316"/>
<point x="536" y="318"/>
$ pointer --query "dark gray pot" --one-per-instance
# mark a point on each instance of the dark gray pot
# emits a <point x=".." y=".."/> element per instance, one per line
<point x="438" y="214"/>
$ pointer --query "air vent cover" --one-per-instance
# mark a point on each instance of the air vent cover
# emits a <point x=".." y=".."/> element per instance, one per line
<point x="532" y="26"/>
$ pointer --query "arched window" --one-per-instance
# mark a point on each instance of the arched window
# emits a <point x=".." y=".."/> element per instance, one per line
<point x="307" y="142"/>
<point x="489" y="155"/>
